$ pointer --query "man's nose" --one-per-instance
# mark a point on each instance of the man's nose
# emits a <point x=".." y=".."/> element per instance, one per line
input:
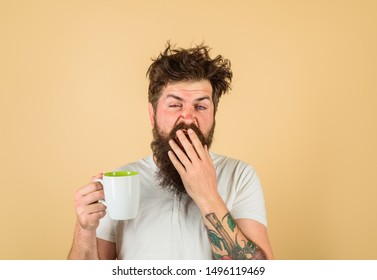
<point x="188" y="116"/>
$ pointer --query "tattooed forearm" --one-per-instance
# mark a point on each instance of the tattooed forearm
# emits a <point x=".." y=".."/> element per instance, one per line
<point x="225" y="240"/>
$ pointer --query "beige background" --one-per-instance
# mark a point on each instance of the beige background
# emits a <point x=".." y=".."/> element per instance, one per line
<point x="302" y="111"/>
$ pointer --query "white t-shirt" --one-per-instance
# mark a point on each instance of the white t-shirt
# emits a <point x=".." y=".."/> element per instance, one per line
<point x="170" y="226"/>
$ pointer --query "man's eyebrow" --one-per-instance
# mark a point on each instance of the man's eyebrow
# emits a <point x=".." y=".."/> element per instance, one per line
<point x="181" y="99"/>
<point x="203" y="98"/>
<point x="174" y="96"/>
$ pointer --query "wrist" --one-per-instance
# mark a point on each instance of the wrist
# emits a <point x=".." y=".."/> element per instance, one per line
<point x="211" y="204"/>
<point x="84" y="246"/>
<point x="85" y="232"/>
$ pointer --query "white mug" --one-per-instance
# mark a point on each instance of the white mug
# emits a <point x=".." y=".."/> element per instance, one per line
<point x="122" y="194"/>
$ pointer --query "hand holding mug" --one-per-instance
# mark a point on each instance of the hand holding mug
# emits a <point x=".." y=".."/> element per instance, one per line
<point x="88" y="209"/>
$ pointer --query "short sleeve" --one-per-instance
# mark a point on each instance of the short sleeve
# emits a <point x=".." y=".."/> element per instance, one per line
<point x="249" y="200"/>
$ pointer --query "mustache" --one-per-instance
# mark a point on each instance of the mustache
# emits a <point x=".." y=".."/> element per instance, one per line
<point x="185" y="127"/>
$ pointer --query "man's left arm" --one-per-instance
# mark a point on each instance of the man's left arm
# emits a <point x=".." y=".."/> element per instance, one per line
<point x="230" y="238"/>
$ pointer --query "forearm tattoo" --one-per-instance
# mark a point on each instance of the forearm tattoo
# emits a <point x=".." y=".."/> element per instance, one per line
<point x="225" y="247"/>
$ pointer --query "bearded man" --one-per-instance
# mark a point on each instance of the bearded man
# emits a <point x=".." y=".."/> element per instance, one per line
<point x="194" y="204"/>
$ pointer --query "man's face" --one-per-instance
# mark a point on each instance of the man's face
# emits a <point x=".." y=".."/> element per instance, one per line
<point x="189" y="102"/>
<point x="182" y="105"/>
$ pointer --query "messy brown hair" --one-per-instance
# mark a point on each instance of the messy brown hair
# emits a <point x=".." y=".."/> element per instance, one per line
<point x="178" y="64"/>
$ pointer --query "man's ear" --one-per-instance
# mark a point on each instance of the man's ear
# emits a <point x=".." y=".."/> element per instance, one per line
<point x="151" y="114"/>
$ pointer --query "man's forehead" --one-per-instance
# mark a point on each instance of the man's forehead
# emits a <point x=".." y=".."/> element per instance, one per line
<point x="202" y="87"/>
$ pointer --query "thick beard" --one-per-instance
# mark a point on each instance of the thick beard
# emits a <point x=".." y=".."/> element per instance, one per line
<point x="167" y="176"/>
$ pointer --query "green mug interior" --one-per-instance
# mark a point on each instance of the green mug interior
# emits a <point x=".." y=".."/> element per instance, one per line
<point x="120" y="173"/>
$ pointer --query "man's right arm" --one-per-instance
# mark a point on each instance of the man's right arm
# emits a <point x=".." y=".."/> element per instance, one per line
<point x="84" y="246"/>
<point x="89" y="211"/>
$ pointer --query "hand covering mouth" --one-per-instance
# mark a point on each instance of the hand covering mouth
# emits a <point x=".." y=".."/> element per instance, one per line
<point x="167" y="175"/>
<point x="176" y="139"/>
<point x="184" y="128"/>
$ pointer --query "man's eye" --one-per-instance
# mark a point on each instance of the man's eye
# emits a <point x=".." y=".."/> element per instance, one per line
<point x="200" y="107"/>
<point x="175" y="106"/>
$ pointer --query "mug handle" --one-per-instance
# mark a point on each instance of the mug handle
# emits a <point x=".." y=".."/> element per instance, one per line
<point x="101" y="200"/>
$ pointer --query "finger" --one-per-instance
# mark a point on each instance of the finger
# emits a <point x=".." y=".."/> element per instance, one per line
<point x="177" y="164"/>
<point x="85" y="212"/>
<point x="95" y="208"/>
<point x="190" y="151"/>
<point x="93" y="197"/>
<point x="98" y="176"/>
<point x="89" y="188"/>
<point x="179" y="153"/>
<point x="197" y="143"/>
<point x="207" y="154"/>
<point x="90" y="198"/>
